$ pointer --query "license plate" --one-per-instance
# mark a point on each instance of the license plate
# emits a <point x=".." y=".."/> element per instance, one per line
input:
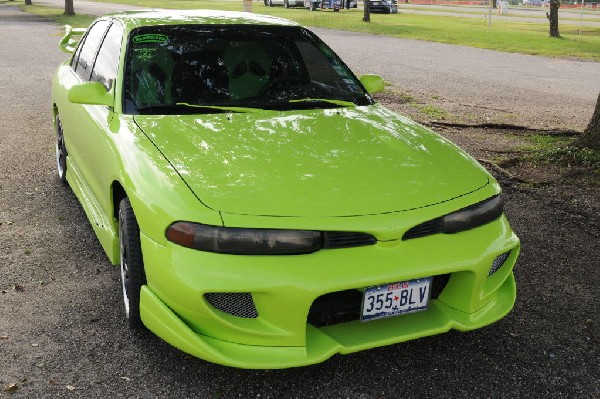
<point x="397" y="298"/>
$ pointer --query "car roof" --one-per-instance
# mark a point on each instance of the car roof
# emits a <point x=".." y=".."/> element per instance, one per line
<point x="153" y="17"/>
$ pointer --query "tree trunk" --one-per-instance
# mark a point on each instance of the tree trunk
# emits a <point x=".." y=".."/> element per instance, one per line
<point x="367" y="14"/>
<point x="591" y="135"/>
<point x="69" y="9"/>
<point x="553" y="18"/>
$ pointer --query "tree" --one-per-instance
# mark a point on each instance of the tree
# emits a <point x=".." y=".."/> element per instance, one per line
<point x="553" y="18"/>
<point x="69" y="9"/>
<point x="367" y="14"/>
<point x="591" y="135"/>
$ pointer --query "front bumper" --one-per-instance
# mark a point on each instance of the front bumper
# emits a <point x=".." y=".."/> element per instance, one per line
<point x="283" y="289"/>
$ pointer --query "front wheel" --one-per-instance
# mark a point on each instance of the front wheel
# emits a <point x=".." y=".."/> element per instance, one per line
<point x="133" y="276"/>
<point x="61" y="152"/>
<point x="286" y="3"/>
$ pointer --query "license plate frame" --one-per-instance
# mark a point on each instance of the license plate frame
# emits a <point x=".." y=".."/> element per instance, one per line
<point x="396" y="299"/>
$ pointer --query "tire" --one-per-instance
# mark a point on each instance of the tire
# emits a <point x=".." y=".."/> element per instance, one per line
<point x="312" y="6"/>
<point x="61" y="152"/>
<point x="286" y="3"/>
<point x="133" y="276"/>
<point x="270" y="3"/>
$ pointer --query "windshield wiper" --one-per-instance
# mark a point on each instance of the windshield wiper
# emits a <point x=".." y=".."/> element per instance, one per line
<point x="222" y="107"/>
<point x="324" y="100"/>
<point x="174" y="108"/>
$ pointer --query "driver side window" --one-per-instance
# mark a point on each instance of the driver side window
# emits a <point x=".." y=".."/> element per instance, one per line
<point x="85" y="61"/>
<point x="107" y="63"/>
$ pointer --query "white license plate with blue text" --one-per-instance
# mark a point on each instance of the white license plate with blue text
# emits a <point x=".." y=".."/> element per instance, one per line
<point x="397" y="298"/>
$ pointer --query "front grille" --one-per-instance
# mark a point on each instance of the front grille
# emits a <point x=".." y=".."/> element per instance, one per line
<point x="424" y="229"/>
<point x="239" y="304"/>
<point x="342" y="239"/>
<point x="343" y="306"/>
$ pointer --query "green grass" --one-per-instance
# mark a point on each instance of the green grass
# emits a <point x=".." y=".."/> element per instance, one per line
<point x="506" y="35"/>
<point x="56" y="15"/>
<point x="558" y="150"/>
<point x="484" y="10"/>
<point x="509" y="36"/>
<point x="433" y="112"/>
<point x="568" y="156"/>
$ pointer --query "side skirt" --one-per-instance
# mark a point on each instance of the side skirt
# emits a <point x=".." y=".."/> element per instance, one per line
<point x="101" y="224"/>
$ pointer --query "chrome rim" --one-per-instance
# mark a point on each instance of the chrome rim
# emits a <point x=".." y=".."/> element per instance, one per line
<point x="124" y="265"/>
<point x="61" y="153"/>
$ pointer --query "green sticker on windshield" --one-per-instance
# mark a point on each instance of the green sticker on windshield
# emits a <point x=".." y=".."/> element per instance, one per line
<point x="150" y="38"/>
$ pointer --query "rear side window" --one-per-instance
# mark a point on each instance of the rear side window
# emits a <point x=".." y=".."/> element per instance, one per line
<point x="93" y="38"/>
<point x="107" y="62"/>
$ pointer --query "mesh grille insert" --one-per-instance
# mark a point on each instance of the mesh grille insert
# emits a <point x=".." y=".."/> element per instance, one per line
<point x="498" y="262"/>
<point x="239" y="304"/>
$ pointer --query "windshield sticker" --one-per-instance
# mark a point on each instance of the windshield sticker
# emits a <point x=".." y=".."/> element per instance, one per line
<point x="150" y="38"/>
<point x="145" y="54"/>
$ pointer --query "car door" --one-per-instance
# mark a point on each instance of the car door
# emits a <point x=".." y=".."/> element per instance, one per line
<point x="79" y="71"/>
<point x="89" y="141"/>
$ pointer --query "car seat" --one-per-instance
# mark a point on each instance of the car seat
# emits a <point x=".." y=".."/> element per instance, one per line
<point x="248" y="65"/>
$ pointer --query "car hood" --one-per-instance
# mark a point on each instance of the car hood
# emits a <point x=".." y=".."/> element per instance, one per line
<point x="315" y="163"/>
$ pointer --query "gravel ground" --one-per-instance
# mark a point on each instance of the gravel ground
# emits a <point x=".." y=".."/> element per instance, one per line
<point x="62" y="333"/>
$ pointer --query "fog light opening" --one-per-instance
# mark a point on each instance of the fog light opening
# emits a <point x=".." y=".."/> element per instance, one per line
<point x="498" y="262"/>
<point x="239" y="304"/>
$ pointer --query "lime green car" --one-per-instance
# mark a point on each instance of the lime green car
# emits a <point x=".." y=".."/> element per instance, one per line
<point x="264" y="210"/>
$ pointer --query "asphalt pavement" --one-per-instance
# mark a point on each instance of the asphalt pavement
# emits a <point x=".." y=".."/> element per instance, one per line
<point x="62" y="332"/>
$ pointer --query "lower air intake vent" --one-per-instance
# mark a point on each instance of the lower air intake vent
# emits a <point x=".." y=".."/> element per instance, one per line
<point x="344" y="306"/>
<point x="342" y="239"/>
<point x="239" y="304"/>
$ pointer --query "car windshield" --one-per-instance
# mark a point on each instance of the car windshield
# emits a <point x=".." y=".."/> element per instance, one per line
<point x="234" y="68"/>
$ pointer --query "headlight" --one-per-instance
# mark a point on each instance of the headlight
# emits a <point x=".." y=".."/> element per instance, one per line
<point x="233" y="240"/>
<point x="461" y="220"/>
<point x="473" y="216"/>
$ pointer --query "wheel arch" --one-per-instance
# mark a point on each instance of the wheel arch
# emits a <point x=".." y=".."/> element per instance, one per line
<point x="118" y="193"/>
<point x="54" y="114"/>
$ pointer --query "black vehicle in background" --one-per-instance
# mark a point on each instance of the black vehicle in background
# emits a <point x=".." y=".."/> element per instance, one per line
<point x="387" y="6"/>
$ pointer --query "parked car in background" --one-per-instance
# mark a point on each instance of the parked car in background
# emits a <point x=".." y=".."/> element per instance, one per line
<point x="285" y="3"/>
<point x="313" y="5"/>
<point x="263" y="209"/>
<point x="386" y="6"/>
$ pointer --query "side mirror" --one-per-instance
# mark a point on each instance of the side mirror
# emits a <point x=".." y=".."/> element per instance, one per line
<point x="90" y="93"/>
<point x="373" y="83"/>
